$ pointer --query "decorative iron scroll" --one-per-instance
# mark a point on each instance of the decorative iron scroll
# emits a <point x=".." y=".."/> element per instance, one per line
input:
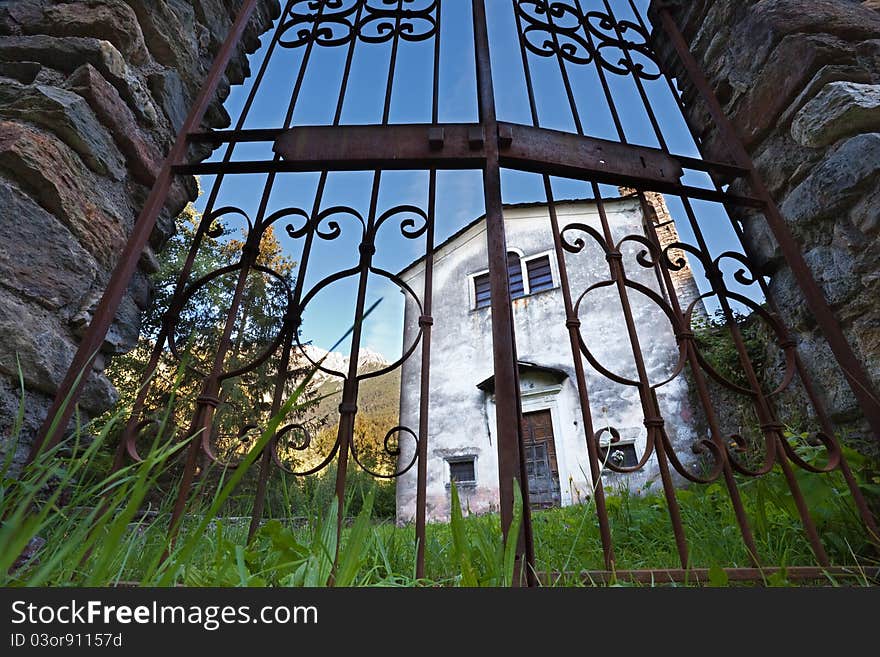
<point x="327" y="23"/>
<point x="575" y="38"/>
<point x="563" y="29"/>
<point x="411" y="223"/>
<point x="339" y="22"/>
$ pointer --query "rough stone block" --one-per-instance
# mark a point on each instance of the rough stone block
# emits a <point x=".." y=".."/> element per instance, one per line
<point x="110" y="20"/>
<point x="35" y="407"/>
<point x="65" y="187"/>
<point x="168" y="90"/>
<point x="143" y="158"/>
<point x="39" y="258"/>
<point x="865" y="215"/>
<point x="32" y="338"/>
<point x="840" y="110"/>
<point x="69" y="53"/>
<point x="833" y="269"/>
<point x="764" y="247"/>
<point x="837" y="182"/>
<point x="215" y="16"/>
<point x="791" y="66"/>
<point x="784" y="162"/>
<point x="169" y="29"/>
<point x="776" y="18"/>
<point x="833" y="390"/>
<point x="68" y="116"/>
<point x="23" y="72"/>
<point x="123" y="334"/>
<point x="16" y="15"/>
<point x="826" y="75"/>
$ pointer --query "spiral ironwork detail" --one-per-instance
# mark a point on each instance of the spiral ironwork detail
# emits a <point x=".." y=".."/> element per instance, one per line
<point x="331" y="23"/>
<point x="555" y="28"/>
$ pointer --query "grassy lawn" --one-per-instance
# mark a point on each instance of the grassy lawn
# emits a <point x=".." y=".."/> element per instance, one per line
<point x="373" y="551"/>
<point x="76" y="526"/>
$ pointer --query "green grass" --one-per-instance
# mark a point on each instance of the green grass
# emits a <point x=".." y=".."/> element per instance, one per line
<point x="104" y="547"/>
<point x="96" y="534"/>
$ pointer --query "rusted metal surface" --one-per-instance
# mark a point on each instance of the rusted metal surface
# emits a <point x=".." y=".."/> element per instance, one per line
<point x="462" y="146"/>
<point x="586" y="158"/>
<point x="508" y="409"/>
<point x="574" y="40"/>
<point x="450" y="146"/>
<point x="358" y="147"/>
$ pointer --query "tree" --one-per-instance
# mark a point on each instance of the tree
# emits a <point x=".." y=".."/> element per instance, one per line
<point x="198" y="324"/>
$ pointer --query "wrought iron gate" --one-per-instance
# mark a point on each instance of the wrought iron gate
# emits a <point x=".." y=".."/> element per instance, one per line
<point x="594" y="50"/>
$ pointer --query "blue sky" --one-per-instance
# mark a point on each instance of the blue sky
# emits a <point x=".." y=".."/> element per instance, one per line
<point x="460" y="196"/>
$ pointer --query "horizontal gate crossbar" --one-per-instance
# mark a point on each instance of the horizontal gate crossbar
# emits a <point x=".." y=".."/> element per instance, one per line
<point x="701" y="576"/>
<point x="282" y="166"/>
<point x="219" y="137"/>
<point x="462" y="146"/>
<point x="412" y="146"/>
<point x="573" y="156"/>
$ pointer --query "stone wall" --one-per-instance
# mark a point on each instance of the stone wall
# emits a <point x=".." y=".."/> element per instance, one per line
<point x="92" y="94"/>
<point x="800" y="81"/>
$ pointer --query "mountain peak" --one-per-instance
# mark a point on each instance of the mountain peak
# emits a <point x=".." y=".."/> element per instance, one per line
<point x="368" y="360"/>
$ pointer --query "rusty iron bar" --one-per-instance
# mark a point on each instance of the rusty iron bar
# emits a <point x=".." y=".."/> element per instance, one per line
<point x="676" y="312"/>
<point x="687" y="336"/>
<point x="451" y="146"/>
<point x="773" y="435"/>
<point x="852" y="368"/>
<point x="212" y="394"/>
<point x="684" y="334"/>
<point x="653" y="417"/>
<point x="814" y="298"/>
<point x="436" y="133"/>
<point x="488" y="145"/>
<point x="127" y="445"/>
<point x="573" y="326"/>
<point x="508" y="410"/>
<point x="367" y="249"/>
<point x="292" y="322"/>
<point x="654" y="423"/>
<point x="287" y="166"/>
<point x="70" y="388"/>
<point x="770" y="428"/>
<point x="426" y="321"/>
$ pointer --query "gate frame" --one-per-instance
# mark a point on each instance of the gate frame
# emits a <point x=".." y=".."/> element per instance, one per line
<point x="490" y="144"/>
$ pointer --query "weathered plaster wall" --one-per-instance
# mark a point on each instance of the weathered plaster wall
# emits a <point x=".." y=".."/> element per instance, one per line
<point x="462" y="417"/>
<point x="800" y="81"/>
<point x="92" y="94"/>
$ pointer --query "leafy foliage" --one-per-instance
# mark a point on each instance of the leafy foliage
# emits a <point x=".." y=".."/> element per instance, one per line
<point x="198" y="325"/>
<point x="715" y="340"/>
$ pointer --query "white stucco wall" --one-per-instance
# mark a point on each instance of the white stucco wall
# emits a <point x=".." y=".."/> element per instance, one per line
<point x="462" y="417"/>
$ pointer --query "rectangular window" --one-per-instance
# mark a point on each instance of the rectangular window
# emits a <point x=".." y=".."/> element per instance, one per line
<point x="537" y="272"/>
<point x="514" y="271"/>
<point x="622" y="455"/>
<point x="540" y="274"/>
<point x="482" y="294"/>
<point x="462" y="471"/>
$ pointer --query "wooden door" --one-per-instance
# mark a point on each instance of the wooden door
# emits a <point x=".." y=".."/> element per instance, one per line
<point x="540" y="458"/>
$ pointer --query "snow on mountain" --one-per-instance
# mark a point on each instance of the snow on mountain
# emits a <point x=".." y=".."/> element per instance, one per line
<point x="368" y="360"/>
